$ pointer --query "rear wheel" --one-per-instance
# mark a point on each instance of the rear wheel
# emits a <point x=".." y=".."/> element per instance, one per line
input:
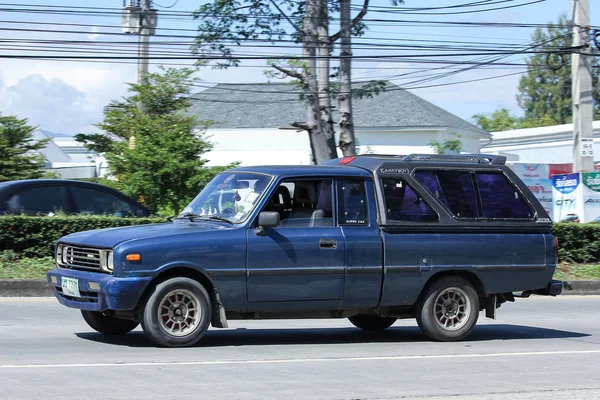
<point x="449" y="309"/>
<point x="371" y="322"/>
<point x="108" y="325"/>
<point x="178" y="313"/>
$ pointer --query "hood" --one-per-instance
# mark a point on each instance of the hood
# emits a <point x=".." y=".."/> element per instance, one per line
<point x="110" y="237"/>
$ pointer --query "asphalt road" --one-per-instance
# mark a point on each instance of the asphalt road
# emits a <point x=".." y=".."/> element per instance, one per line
<point x="539" y="348"/>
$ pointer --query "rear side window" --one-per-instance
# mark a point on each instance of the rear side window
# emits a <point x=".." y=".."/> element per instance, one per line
<point x="402" y="203"/>
<point x="40" y="200"/>
<point x="352" y="203"/>
<point x="500" y="199"/>
<point x="454" y="189"/>
<point x="94" y="201"/>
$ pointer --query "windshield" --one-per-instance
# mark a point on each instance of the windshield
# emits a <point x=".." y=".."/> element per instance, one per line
<point x="230" y="195"/>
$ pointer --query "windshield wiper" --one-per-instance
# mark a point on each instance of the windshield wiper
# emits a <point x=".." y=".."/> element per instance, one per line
<point x="189" y="215"/>
<point x="214" y="218"/>
<point x="193" y="217"/>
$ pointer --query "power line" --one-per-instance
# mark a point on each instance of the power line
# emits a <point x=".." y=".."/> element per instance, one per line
<point x="171" y="6"/>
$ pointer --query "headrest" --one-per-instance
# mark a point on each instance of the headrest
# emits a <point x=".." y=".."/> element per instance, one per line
<point x="305" y="194"/>
<point x="281" y="198"/>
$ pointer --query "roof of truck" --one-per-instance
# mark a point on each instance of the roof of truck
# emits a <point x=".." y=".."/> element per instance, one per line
<point x="364" y="165"/>
<point x="308" y="170"/>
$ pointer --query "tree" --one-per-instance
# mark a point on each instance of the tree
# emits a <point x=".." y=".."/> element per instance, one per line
<point x="545" y="91"/>
<point x="499" y="120"/>
<point x="20" y="156"/>
<point x="163" y="164"/>
<point x="233" y="21"/>
<point x="451" y="145"/>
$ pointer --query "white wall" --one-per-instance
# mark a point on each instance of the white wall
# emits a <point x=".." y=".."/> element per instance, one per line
<point x="289" y="147"/>
<point x="550" y="144"/>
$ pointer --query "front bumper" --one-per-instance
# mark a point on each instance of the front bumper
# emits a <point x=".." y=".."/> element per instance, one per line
<point x="122" y="294"/>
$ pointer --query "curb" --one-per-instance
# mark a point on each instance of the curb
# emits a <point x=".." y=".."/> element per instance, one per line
<point x="41" y="288"/>
<point x="581" y="287"/>
<point x="25" y="288"/>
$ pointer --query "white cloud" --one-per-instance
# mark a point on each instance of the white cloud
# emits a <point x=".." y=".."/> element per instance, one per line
<point x="50" y="104"/>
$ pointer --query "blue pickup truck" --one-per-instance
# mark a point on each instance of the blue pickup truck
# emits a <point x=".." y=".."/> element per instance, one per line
<point x="370" y="238"/>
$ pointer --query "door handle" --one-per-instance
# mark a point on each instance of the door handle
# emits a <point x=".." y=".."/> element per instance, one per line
<point x="328" y="243"/>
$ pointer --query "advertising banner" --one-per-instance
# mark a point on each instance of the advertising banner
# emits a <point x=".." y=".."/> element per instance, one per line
<point x="591" y="196"/>
<point x="531" y="171"/>
<point x="567" y="197"/>
<point x="542" y="190"/>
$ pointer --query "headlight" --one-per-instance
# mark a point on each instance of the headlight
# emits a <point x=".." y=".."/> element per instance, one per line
<point x="59" y="254"/>
<point x="106" y="260"/>
<point x="110" y="261"/>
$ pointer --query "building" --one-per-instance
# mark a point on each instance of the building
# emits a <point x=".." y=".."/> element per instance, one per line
<point x="67" y="157"/>
<point x="252" y="124"/>
<point x="544" y="145"/>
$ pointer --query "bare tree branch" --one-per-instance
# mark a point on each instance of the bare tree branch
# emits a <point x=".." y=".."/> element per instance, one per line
<point x="301" y="125"/>
<point x="289" y="72"/>
<point x="356" y="20"/>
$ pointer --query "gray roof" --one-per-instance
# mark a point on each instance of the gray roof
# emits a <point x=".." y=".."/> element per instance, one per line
<point x="51" y="151"/>
<point x="276" y="105"/>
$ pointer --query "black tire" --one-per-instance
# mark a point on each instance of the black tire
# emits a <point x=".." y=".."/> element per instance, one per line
<point x="371" y="322"/>
<point x="187" y="327"/>
<point x="447" y="325"/>
<point x="108" y="325"/>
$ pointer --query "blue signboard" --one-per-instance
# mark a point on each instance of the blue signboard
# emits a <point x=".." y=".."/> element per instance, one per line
<point x="565" y="183"/>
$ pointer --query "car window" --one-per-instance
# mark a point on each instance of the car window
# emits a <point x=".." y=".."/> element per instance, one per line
<point x="452" y="188"/>
<point x="352" y="203"/>
<point x="40" y="200"/>
<point x="402" y="203"/>
<point x="500" y="199"/>
<point x="303" y="203"/>
<point x="94" y="201"/>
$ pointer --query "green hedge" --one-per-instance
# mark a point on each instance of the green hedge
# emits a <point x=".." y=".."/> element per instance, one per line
<point x="35" y="236"/>
<point x="578" y="243"/>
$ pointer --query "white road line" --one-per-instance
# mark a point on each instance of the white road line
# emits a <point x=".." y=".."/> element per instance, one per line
<point x="302" y="360"/>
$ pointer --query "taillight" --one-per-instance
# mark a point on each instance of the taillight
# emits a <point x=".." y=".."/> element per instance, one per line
<point x="556" y="243"/>
<point x="347" y="160"/>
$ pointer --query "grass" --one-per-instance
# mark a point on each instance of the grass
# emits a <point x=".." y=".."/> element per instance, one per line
<point x="577" y="272"/>
<point x="12" y="266"/>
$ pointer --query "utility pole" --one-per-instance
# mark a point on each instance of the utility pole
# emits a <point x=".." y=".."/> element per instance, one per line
<point x="144" y="46"/>
<point x="581" y="70"/>
<point x="139" y="19"/>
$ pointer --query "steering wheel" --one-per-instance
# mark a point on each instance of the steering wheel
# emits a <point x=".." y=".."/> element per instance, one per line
<point x="228" y="211"/>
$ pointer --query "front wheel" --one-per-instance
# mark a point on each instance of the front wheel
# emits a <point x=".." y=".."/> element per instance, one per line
<point x="178" y="313"/>
<point x="371" y="322"/>
<point x="108" y="325"/>
<point x="448" y="310"/>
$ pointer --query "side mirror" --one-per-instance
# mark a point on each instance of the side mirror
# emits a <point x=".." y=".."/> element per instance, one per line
<point x="267" y="219"/>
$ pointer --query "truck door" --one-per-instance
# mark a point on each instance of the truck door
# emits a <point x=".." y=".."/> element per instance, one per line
<point x="302" y="260"/>
<point x="357" y="216"/>
<point x="409" y="250"/>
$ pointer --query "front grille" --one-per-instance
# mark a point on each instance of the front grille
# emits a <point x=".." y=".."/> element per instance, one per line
<point x="82" y="258"/>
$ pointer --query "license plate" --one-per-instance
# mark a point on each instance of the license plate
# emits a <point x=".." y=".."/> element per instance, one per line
<point x="70" y="287"/>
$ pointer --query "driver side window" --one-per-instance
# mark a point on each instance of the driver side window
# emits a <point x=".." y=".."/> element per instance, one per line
<point x="303" y="203"/>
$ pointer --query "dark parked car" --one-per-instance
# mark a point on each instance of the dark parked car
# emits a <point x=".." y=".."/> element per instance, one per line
<point x="51" y="196"/>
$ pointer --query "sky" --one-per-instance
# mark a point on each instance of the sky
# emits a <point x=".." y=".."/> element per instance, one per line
<point x="69" y="96"/>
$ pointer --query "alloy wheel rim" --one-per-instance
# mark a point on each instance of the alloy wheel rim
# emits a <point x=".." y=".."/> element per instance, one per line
<point x="452" y="309"/>
<point x="179" y="312"/>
